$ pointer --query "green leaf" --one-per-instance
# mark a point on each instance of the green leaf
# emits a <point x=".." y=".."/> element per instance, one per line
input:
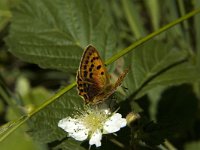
<point x="183" y="73"/>
<point x="44" y="124"/>
<point x="53" y="34"/>
<point x="148" y="62"/>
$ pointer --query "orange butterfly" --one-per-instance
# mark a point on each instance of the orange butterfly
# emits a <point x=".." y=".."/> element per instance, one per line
<point x="93" y="80"/>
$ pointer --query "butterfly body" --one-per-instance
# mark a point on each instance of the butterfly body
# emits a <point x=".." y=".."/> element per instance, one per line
<point x="93" y="80"/>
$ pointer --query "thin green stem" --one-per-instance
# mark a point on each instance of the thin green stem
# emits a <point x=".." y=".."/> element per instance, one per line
<point x="12" y="126"/>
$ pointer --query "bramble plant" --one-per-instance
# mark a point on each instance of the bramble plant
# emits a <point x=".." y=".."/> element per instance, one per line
<point x="41" y="44"/>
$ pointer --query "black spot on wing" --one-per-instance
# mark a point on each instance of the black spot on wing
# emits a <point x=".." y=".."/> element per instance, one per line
<point x="98" y="67"/>
<point x="91" y="74"/>
<point x="94" y="58"/>
<point x="85" y="74"/>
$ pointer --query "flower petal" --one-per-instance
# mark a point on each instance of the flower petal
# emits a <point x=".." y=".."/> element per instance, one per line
<point x="68" y="124"/>
<point x="74" y="128"/>
<point x="114" y="123"/>
<point x="96" y="138"/>
<point x="79" y="134"/>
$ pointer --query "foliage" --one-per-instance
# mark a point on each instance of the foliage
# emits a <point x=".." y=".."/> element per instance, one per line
<point x="41" y="43"/>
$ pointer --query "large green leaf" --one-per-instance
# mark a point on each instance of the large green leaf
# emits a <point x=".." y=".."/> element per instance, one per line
<point x="44" y="124"/>
<point x="53" y="34"/>
<point x="182" y="73"/>
<point x="149" y="62"/>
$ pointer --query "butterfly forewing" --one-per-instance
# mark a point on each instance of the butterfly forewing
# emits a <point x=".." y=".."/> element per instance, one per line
<point x="92" y="76"/>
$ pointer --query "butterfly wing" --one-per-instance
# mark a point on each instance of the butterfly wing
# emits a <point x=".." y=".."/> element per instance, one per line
<point x="111" y="88"/>
<point x="92" y="76"/>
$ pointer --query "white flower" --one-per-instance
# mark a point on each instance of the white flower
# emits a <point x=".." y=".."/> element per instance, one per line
<point x="92" y="123"/>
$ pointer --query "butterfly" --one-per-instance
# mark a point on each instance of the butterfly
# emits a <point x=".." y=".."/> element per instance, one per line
<point x="93" y="80"/>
